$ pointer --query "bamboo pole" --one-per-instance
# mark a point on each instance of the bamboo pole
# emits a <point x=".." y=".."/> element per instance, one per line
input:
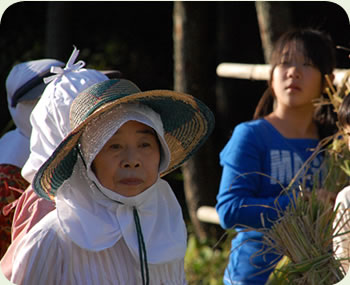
<point x="208" y="214"/>
<point x="260" y="71"/>
<point x="244" y="71"/>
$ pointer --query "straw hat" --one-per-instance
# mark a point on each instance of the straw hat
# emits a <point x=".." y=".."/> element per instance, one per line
<point x="187" y="124"/>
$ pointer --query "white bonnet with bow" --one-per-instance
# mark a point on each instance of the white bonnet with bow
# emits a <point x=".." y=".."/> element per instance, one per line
<point x="50" y="117"/>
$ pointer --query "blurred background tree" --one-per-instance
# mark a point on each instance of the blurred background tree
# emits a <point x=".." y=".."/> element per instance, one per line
<point x="170" y="45"/>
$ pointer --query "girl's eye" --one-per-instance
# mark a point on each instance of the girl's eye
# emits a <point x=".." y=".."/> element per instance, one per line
<point x="284" y="63"/>
<point x="308" y="64"/>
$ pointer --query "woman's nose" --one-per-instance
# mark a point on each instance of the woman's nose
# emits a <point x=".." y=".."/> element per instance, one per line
<point x="130" y="164"/>
<point x="130" y="160"/>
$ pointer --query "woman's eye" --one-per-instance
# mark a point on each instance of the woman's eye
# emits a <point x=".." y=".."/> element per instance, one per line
<point x="115" y="146"/>
<point x="145" y="144"/>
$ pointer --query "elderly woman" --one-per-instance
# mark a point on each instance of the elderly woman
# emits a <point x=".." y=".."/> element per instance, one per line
<point x="116" y="220"/>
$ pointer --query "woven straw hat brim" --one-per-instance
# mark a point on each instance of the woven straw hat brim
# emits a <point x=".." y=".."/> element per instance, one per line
<point x="187" y="124"/>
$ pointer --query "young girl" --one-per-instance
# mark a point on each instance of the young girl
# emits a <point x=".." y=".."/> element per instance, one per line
<point x="265" y="154"/>
<point x="116" y="221"/>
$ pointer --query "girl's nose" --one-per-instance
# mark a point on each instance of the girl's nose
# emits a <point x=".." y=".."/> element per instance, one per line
<point x="293" y="71"/>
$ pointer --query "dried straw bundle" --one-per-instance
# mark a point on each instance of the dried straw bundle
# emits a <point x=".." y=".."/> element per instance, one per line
<point x="304" y="235"/>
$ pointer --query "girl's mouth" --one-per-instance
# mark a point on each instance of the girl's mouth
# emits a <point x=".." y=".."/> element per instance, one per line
<point x="293" y="87"/>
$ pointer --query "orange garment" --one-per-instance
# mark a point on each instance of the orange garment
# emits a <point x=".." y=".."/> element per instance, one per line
<point x="12" y="184"/>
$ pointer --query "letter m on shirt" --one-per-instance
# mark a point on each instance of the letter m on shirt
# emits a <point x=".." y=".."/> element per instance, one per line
<point x="282" y="162"/>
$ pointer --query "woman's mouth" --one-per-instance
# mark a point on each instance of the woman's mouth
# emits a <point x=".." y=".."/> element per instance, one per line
<point x="131" y="181"/>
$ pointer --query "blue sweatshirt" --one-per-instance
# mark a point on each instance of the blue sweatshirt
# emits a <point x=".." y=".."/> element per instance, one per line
<point x="256" y="161"/>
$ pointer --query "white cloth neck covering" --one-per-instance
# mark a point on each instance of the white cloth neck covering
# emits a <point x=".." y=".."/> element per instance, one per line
<point x="14" y="148"/>
<point x="14" y="144"/>
<point x="95" y="218"/>
<point x="20" y="116"/>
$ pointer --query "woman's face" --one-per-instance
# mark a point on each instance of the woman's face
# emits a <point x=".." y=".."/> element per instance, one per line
<point x="296" y="81"/>
<point x="128" y="163"/>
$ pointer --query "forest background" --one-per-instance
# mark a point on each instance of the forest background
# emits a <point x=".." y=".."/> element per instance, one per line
<point x="170" y="45"/>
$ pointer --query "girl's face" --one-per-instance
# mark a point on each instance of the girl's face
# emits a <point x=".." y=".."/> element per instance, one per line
<point x="128" y="163"/>
<point x="346" y="132"/>
<point x="295" y="80"/>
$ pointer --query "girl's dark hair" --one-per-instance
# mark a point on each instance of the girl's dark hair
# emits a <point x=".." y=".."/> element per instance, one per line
<point x="318" y="47"/>
<point x="344" y="113"/>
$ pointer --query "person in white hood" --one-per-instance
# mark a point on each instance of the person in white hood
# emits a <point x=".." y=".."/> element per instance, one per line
<point x="24" y="86"/>
<point x="50" y="124"/>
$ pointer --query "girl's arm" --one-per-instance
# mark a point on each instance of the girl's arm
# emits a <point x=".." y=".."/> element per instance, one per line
<point x="242" y="198"/>
<point x="241" y="206"/>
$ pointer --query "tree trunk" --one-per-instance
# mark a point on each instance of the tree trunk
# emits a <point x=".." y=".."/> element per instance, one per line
<point x="59" y="43"/>
<point x="238" y="40"/>
<point x="274" y="19"/>
<point x="194" y="42"/>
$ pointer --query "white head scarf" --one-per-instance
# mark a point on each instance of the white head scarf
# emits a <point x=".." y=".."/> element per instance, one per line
<point x="14" y="144"/>
<point x="50" y="117"/>
<point x="95" y="218"/>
